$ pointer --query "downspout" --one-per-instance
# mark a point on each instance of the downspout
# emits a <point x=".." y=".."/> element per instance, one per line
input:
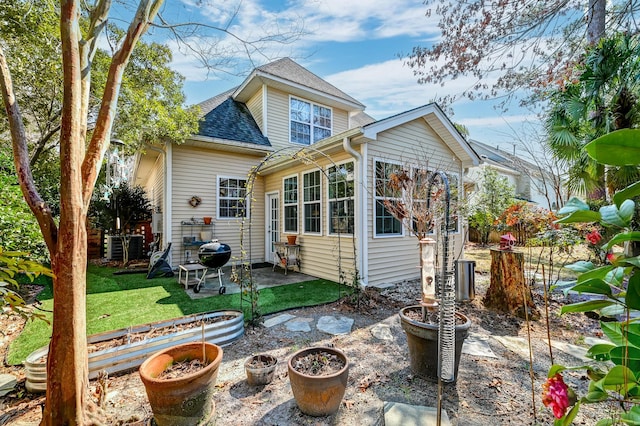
<point x="360" y="213"/>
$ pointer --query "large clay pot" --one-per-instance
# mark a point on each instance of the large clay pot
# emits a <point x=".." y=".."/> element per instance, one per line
<point x="263" y="374"/>
<point x="186" y="400"/>
<point x="423" y="344"/>
<point x="318" y="395"/>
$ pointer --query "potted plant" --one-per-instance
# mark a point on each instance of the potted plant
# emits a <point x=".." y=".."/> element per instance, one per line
<point x="422" y="332"/>
<point x="409" y="188"/>
<point x="180" y="382"/>
<point x="260" y="369"/>
<point x="318" y="377"/>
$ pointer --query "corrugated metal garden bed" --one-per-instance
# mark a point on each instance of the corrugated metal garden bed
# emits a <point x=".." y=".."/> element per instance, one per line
<point x="137" y="343"/>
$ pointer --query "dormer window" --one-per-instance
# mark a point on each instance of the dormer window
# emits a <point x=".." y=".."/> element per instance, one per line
<point x="309" y="122"/>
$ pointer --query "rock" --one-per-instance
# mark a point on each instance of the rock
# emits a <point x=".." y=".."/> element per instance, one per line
<point x="7" y="383"/>
<point x="382" y="332"/>
<point x="335" y="326"/>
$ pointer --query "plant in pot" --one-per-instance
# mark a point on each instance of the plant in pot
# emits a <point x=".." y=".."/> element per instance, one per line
<point x="260" y="369"/>
<point x="318" y="377"/>
<point x="180" y="383"/>
<point x="420" y="200"/>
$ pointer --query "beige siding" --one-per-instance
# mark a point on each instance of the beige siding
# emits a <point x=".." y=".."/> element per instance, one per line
<point x="392" y="258"/>
<point x="195" y="173"/>
<point x="319" y="253"/>
<point x="154" y="184"/>
<point x="255" y="107"/>
<point x="278" y="119"/>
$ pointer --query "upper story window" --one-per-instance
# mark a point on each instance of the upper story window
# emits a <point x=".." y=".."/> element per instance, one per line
<point x="290" y="192"/>
<point x="309" y="122"/>
<point x="340" y="197"/>
<point x="232" y="197"/>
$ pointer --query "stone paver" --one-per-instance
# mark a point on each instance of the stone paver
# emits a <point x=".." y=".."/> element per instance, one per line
<point x="336" y="326"/>
<point x="278" y="319"/>
<point x="477" y="345"/>
<point x="574" y="350"/>
<point x="398" y="414"/>
<point x="299" y="324"/>
<point x="518" y="345"/>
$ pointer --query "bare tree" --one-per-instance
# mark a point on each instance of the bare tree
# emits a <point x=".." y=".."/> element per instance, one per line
<point x="523" y="44"/>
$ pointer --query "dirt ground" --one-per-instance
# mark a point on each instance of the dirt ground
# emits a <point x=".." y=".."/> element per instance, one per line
<point x="489" y="391"/>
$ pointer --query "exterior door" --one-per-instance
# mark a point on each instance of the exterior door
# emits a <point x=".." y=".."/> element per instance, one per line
<point x="272" y="225"/>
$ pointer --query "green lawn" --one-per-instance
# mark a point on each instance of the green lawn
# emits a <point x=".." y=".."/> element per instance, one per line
<point x="120" y="301"/>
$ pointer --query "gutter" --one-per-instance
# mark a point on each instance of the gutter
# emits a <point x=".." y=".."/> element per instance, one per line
<point x="360" y="207"/>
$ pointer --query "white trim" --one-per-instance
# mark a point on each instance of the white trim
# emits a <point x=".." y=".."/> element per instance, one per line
<point x="265" y="115"/>
<point x="167" y="211"/>
<point x="328" y="209"/>
<point x="267" y="236"/>
<point x="284" y="204"/>
<point x="364" y="234"/>
<point x="247" y="201"/>
<point x="375" y="198"/>
<point x="320" y="201"/>
<point x="311" y="125"/>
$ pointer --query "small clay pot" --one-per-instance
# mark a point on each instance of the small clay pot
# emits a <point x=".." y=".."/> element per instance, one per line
<point x="291" y="239"/>
<point x="263" y="373"/>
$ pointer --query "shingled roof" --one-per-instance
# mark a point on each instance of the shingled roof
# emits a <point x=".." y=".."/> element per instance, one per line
<point x="287" y="69"/>
<point x="230" y="120"/>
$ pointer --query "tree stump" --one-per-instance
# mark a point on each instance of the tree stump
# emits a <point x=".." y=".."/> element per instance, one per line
<point x="508" y="291"/>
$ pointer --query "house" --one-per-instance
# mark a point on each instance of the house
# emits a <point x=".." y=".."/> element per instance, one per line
<point x="301" y="132"/>
<point x="532" y="182"/>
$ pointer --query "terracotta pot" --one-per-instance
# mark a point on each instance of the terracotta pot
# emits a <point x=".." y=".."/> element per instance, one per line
<point x="422" y="339"/>
<point x="186" y="400"/>
<point x="291" y="239"/>
<point x="207" y="220"/>
<point x="318" y="395"/>
<point x="260" y="376"/>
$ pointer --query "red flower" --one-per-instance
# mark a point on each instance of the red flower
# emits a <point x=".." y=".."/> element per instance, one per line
<point x="555" y="395"/>
<point x="594" y="237"/>
<point x="611" y="257"/>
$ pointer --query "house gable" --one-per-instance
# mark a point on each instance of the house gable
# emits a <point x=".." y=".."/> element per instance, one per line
<point x="438" y="121"/>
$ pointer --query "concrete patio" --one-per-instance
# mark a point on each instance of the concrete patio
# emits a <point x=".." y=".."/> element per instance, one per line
<point x="264" y="275"/>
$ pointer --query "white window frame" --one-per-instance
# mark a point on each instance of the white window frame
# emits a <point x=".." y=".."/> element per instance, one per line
<point x="377" y="198"/>
<point x="285" y="205"/>
<point x="219" y="197"/>
<point x="305" y="203"/>
<point x="458" y="201"/>
<point x="312" y="125"/>
<point x="343" y="199"/>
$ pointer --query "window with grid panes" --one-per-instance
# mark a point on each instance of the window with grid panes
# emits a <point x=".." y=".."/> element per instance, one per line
<point x="312" y="202"/>
<point x="340" y="196"/>
<point x="290" y="193"/>
<point x="232" y="197"/>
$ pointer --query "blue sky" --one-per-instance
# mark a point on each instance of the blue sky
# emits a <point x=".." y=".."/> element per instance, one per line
<point x="355" y="45"/>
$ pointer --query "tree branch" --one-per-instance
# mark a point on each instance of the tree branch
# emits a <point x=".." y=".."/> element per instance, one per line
<point x="147" y="11"/>
<point x="35" y="202"/>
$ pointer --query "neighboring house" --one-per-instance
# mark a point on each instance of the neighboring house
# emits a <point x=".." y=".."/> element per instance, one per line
<point x="530" y="182"/>
<point x="282" y="106"/>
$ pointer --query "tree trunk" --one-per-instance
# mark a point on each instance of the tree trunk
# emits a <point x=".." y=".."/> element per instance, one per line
<point x="596" y="20"/>
<point x="508" y="289"/>
<point x="67" y="368"/>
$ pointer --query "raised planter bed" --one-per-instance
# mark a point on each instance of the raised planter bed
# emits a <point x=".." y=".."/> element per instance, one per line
<point x="130" y="355"/>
